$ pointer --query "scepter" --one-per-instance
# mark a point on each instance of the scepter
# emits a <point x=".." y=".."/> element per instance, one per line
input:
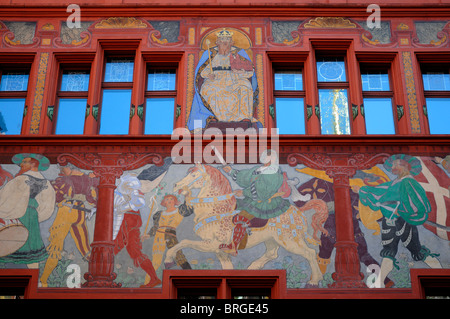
<point x="209" y="55"/>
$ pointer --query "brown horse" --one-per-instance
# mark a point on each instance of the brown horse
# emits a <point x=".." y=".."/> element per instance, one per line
<point x="214" y="208"/>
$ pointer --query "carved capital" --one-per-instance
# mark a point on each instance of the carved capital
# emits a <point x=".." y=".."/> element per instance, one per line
<point x="340" y="175"/>
<point x="109" y="166"/>
<point x="337" y="165"/>
<point x="107" y="175"/>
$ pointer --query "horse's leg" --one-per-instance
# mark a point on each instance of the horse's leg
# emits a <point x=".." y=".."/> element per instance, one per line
<point x="224" y="259"/>
<point x="200" y="245"/>
<point x="270" y="254"/>
<point x="300" y="247"/>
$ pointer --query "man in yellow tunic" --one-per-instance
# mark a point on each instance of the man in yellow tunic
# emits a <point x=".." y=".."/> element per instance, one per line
<point x="75" y="191"/>
<point x="164" y="228"/>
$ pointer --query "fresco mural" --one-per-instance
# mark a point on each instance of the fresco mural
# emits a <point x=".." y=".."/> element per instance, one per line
<point x="26" y="200"/>
<point x="226" y="88"/>
<point x="76" y="198"/>
<point x="404" y="206"/>
<point x="47" y="214"/>
<point x="239" y="216"/>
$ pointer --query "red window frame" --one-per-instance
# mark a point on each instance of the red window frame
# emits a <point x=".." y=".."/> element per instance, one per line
<point x="225" y="281"/>
<point x="19" y="62"/>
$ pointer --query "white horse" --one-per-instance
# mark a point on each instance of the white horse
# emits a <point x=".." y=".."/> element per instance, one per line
<point x="214" y="208"/>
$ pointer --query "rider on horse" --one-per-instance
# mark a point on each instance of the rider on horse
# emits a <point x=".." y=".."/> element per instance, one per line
<point x="260" y="199"/>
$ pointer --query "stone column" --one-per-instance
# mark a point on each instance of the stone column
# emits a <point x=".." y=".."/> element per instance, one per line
<point x="101" y="262"/>
<point x="341" y="167"/>
<point x="108" y="167"/>
<point x="347" y="264"/>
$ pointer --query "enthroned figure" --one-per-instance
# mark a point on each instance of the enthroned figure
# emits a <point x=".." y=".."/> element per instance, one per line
<point x="225" y="84"/>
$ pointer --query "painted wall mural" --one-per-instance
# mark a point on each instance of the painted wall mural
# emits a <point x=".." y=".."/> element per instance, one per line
<point x="241" y="216"/>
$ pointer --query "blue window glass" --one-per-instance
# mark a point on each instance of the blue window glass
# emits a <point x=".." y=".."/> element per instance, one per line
<point x="378" y="112"/>
<point x="379" y="116"/>
<point x="375" y="81"/>
<point x="288" y="80"/>
<point x="437" y="107"/>
<point x="115" y="111"/>
<point x="436" y="81"/>
<point x="334" y="115"/>
<point x="11" y="115"/>
<point x="161" y="80"/>
<point x="438" y="110"/>
<point x="75" y="81"/>
<point x="331" y="70"/>
<point x="14" y="81"/>
<point x="159" y="115"/>
<point x="119" y="70"/>
<point x="290" y="115"/>
<point x="71" y="115"/>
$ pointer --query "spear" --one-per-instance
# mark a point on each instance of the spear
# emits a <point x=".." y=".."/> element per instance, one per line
<point x="150" y="214"/>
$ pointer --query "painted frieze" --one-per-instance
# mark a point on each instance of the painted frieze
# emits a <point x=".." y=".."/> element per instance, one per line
<point x="267" y="215"/>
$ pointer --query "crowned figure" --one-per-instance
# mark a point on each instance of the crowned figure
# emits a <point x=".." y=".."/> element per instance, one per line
<point x="225" y="84"/>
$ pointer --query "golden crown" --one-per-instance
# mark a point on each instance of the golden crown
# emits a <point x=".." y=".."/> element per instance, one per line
<point x="224" y="34"/>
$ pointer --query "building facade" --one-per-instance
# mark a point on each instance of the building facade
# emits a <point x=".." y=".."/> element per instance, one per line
<point x="283" y="149"/>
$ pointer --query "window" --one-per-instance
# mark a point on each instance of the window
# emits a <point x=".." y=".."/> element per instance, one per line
<point x="251" y="293"/>
<point x="14" y="291"/>
<point x="377" y="99"/>
<point x="436" y="84"/>
<point x="18" y="283"/>
<point x="196" y="288"/>
<point x="197" y="293"/>
<point x="289" y="101"/>
<point x="13" y="92"/>
<point x="116" y="95"/>
<point x="431" y="283"/>
<point x="332" y="88"/>
<point x="226" y="284"/>
<point x="160" y="101"/>
<point x="72" y="101"/>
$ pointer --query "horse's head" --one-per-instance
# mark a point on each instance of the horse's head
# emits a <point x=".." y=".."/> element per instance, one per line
<point x="197" y="177"/>
<point x="212" y="183"/>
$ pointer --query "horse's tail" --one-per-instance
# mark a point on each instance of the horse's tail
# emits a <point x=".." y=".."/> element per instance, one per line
<point x="318" y="219"/>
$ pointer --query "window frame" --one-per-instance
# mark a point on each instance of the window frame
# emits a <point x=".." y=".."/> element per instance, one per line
<point x="23" y="281"/>
<point x="105" y="85"/>
<point x="18" y="64"/>
<point x="161" y="93"/>
<point x="225" y="281"/>
<point x="20" y="68"/>
<point x="293" y="60"/>
<point x="392" y="62"/>
<point x="380" y="66"/>
<point x="69" y="94"/>
<point x="66" y="61"/>
<point x="162" y="60"/>
<point x="333" y="84"/>
<point x="433" y="66"/>
<point x="297" y="94"/>
<point x="338" y="52"/>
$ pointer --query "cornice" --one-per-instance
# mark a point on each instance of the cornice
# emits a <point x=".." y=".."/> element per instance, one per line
<point x="55" y="145"/>
<point x="159" y="140"/>
<point x="211" y="10"/>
